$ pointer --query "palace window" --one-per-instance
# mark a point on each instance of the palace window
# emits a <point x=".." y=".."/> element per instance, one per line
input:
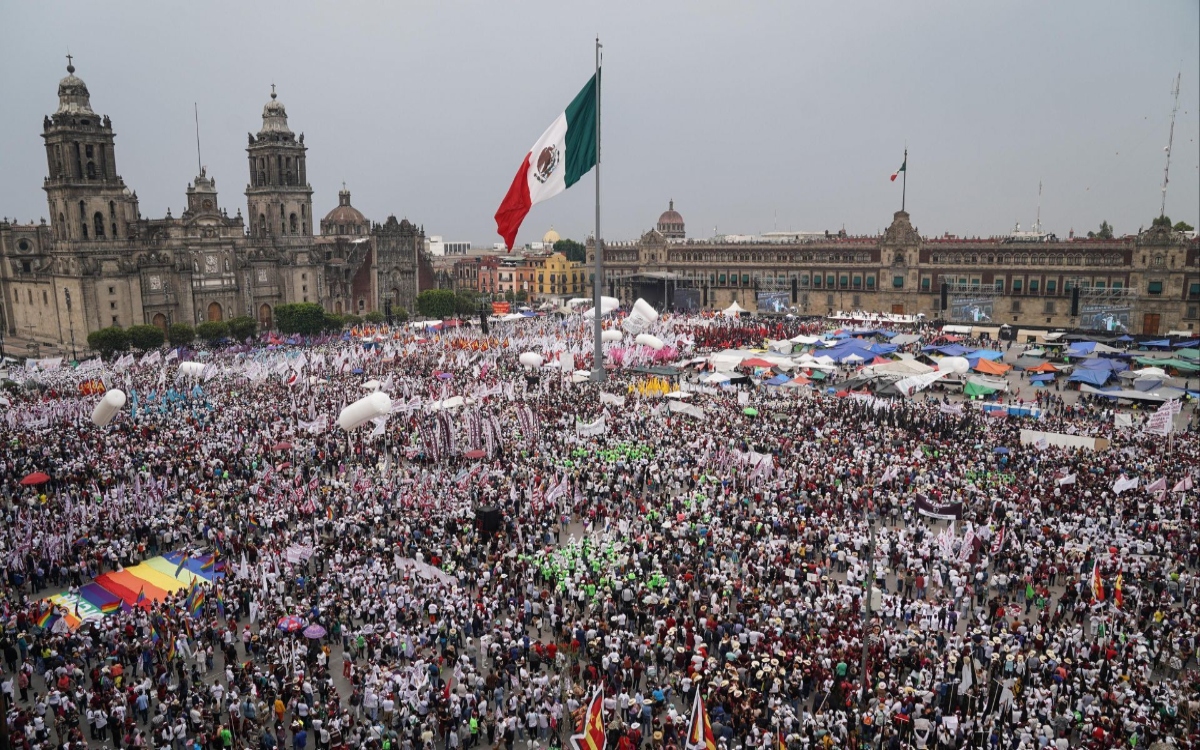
<point x="1033" y="286"/>
<point x="829" y="280"/>
<point x="925" y="283"/>
<point x="1155" y="287"/>
<point x="870" y="282"/>
<point x="897" y="282"/>
<point x="1194" y="290"/>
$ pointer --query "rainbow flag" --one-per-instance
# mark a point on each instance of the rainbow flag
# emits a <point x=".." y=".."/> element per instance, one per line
<point x="82" y="541"/>
<point x="154" y="636"/>
<point x="182" y="562"/>
<point x="197" y="603"/>
<point x="111" y="608"/>
<point x="141" y="597"/>
<point x="44" y="620"/>
<point x="220" y="605"/>
<point x="171" y="650"/>
<point x="254" y="524"/>
<point x="210" y="562"/>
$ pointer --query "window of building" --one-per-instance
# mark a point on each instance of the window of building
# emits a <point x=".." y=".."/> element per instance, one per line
<point x="844" y="280"/>
<point x="1118" y="285"/>
<point x="856" y="300"/>
<point x="1049" y="307"/>
<point x="926" y="283"/>
<point x="817" y="281"/>
<point x="721" y="279"/>
<point x="998" y="285"/>
<point x="26" y="266"/>
<point x="1017" y="286"/>
<point x="829" y="280"/>
<point x="745" y="279"/>
<point x="1194" y="290"/>
<point x="1016" y="305"/>
<point x="1051" y="286"/>
<point x="870" y="282"/>
<point x="1193" y="311"/>
<point x="1033" y="286"/>
<point x="304" y="288"/>
<point x="1155" y="287"/>
<point x="45" y="298"/>
<point x="897" y="282"/>
<point x="857" y="285"/>
<point x="112" y="305"/>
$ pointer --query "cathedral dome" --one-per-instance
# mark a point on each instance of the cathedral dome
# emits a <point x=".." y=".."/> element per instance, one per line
<point x="551" y="237"/>
<point x="73" y="97"/>
<point x="345" y="218"/>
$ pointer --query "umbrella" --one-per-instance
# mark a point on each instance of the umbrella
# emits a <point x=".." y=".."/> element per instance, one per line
<point x="474" y="454"/>
<point x="1000" y="450"/>
<point x="290" y="624"/>
<point x="284" y="465"/>
<point x="750" y="411"/>
<point x="36" y="478"/>
<point x="282" y="445"/>
<point x="314" y="631"/>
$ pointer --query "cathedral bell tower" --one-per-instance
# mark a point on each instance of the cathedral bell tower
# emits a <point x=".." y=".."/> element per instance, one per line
<point x="88" y="200"/>
<point x="278" y="198"/>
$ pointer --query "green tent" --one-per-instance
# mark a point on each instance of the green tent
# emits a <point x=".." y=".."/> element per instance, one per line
<point x="973" y="389"/>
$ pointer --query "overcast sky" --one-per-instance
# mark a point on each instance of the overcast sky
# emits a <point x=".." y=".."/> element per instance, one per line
<point x="751" y="116"/>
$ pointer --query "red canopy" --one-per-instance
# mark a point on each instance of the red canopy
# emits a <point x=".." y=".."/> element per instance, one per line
<point x="756" y="362"/>
<point x="1043" y="367"/>
<point x="282" y="445"/>
<point x="35" y="478"/>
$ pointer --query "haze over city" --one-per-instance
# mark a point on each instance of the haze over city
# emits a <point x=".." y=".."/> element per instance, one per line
<point x="751" y="117"/>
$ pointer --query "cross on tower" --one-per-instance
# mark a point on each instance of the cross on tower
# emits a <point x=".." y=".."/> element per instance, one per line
<point x="272" y="91"/>
<point x="68" y="58"/>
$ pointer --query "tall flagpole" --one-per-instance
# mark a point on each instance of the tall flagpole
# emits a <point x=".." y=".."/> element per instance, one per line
<point x="904" y="189"/>
<point x="598" y="349"/>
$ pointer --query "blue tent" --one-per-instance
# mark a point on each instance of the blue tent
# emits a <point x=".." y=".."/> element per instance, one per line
<point x="1041" y="377"/>
<point x="1091" y="377"/>
<point x="988" y="354"/>
<point x="1187" y="344"/>
<point x="1161" y="343"/>
<point x="1081" y="349"/>
<point x="1126" y="338"/>
<point x="949" y="350"/>
<point x="778" y="380"/>
<point x="1101" y="364"/>
<point x="883" y="348"/>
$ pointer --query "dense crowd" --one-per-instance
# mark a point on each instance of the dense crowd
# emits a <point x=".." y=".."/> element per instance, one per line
<point x="474" y="571"/>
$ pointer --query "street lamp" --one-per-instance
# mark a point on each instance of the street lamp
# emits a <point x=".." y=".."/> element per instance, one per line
<point x="70" y="322"/>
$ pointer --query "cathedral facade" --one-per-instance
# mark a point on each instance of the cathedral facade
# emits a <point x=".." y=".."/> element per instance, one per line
<point x="98" y="262"/>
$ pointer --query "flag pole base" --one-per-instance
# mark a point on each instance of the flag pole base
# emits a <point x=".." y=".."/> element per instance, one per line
<point x="599" y="375"/>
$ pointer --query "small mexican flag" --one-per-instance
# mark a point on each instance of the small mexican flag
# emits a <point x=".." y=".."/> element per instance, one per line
<point x="903" y="168"/>
<point x="564" y="153"/>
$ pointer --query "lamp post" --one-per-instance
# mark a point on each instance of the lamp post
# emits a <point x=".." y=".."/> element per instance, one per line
<point x="867" y="593"/>
<point x="70" y="322"/>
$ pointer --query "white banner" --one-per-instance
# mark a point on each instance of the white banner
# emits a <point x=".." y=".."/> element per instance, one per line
<point x="1122" y="420"/>
<point x="599" y="427"/>
<point x="611" y="398"/>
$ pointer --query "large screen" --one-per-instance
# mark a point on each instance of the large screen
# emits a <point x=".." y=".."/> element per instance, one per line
<point x="971" y="309"/>
<point x="774" y="302"/>
<point x="1114" y="318"/>
<point x="687" y="300"/>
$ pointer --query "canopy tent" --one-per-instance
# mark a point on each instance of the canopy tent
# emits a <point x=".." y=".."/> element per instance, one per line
<point x="1178" y="364"/>
<point x="1113" y="365"/>
<point x="991" y="354"/>
<point x="1044" y="367"/>
<point x="777" y="380"/>
<point x="973" y="389"/>
<point x="991" y="368"/>
<point x="733" y="310"/>
<point x="1042" y="378"/>
<point x="1028" y="363"/>
<point x="904" y="339"/>
<point x="1084" y="348"/>
<point x="1159" y="344"/>
<point x="1125" y="394"/>
<point x="1090" y="377"/>
<point x="950" y="350"/>
<point x="1193" y="344"/>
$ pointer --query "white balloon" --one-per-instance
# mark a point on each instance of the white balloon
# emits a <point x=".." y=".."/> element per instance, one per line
<point x="645" y="339"/>
<point x="376" y="404"/>
<point x="191" y="369"/>
<point x="108" y="407"/>
<point x="611" y="335"/>
<point x="531" y="359"/>
<point x="643" y="309"/>
<point x="607" y="305"/>
<point x="953" y="364"/>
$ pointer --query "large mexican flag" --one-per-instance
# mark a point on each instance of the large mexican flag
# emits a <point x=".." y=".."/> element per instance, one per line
<point x="564" y="153"/>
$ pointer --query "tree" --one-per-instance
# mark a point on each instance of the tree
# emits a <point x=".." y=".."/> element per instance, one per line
<point x="242" y="327"/>
<point x="109" y="340"/>
<point x="373" y="317"/>
<point x="1105" y="232"/>
<point x="305" y="318"/>
<point x="332" y="322"/>
<point x="145" y="337"/>
<point x="466" y="303"/>
<point x="436" y="303"/>
<point x="213" y="331"/>
<point x="400" y="315"/>
<point x="575" y="251"/>
<point x="350" y="319"/>
<point x="181" y="334"/>
<point x="1183" y="226"/>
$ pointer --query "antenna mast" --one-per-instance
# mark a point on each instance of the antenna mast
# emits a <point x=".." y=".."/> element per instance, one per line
<point x="1162" y="211"/>
<point x="199" y="162"/>
<point x="1037" y="225"/>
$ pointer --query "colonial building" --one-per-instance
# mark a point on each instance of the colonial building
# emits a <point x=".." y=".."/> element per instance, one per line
<point x="98" y="262"/>
<point x="1148" y="283"/>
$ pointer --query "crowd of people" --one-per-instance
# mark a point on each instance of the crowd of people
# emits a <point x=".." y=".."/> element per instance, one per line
<point x="464" y="574"/>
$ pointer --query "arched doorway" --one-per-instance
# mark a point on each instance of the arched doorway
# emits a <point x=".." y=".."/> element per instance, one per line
<point x="338" y="308"/>
<point x="214" y="311"/>
<point x="160" y="322"/>
<point x="264" y="317"/>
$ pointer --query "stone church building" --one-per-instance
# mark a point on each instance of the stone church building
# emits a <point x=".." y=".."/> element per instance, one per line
<point x="98" y="262"/>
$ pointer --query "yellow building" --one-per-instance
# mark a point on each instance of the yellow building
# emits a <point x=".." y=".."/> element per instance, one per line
<point x="558" y="278"/>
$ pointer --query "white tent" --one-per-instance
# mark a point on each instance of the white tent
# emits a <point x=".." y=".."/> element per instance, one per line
<point x="682" y="395"/>
<point x="717" y="377"/>
<point x="853" y="358"/>
<point x="1155" y="373"/>
<point x="732" y="310"/>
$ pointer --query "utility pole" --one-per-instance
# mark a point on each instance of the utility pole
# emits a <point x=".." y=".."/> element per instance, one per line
<point x="70" y="322"/>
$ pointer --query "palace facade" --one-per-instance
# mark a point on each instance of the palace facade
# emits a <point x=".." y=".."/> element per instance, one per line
<point x="98" y="262"/>
<point x="1147" y="283"/>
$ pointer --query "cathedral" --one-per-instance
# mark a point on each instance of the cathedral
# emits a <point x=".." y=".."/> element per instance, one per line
<point x="98" y="262"/>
